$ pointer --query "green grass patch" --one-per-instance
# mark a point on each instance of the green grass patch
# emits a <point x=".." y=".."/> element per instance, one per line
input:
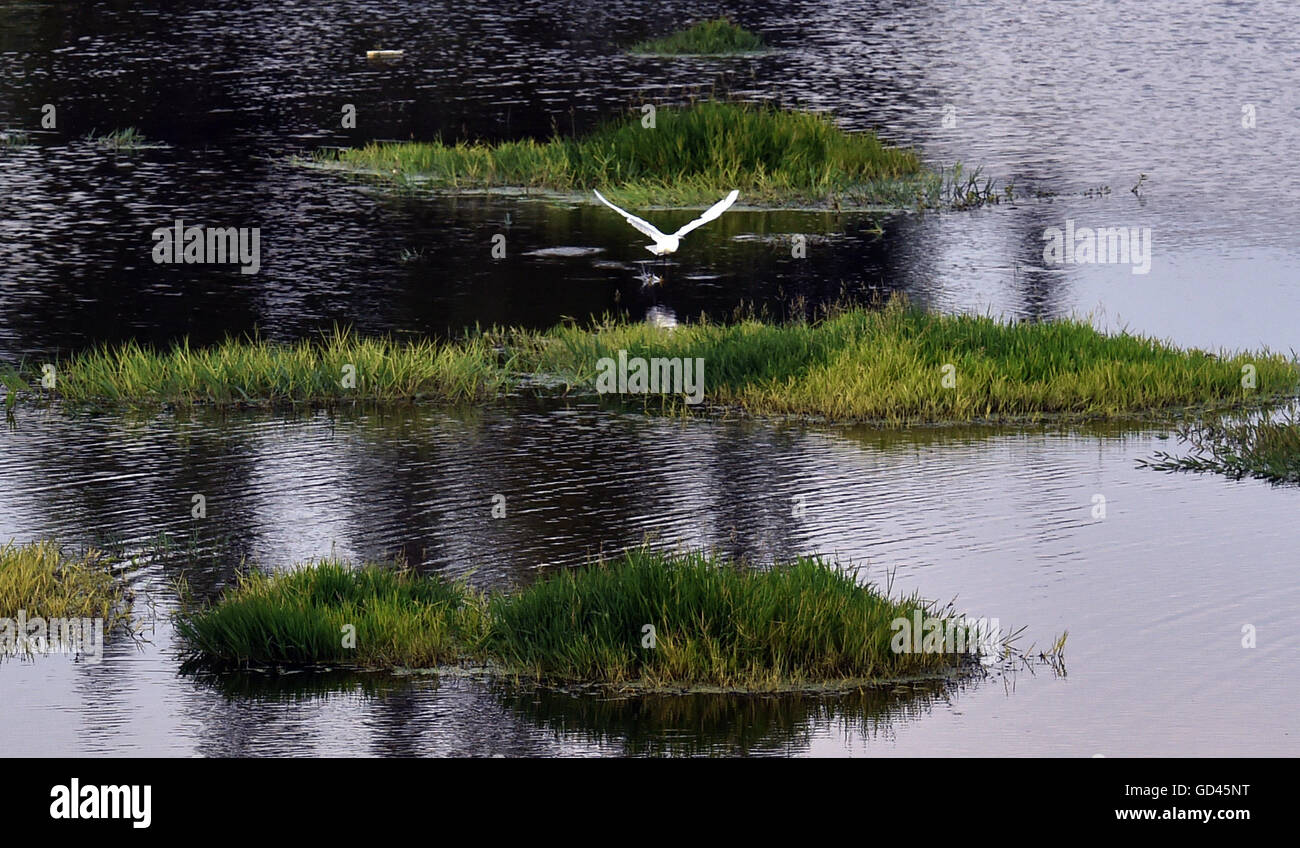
<point x="328" y="614"/>
<point x="337" y="366"/>
<point x="1265" y="449"/>
<point x="715" y="623"/>
<point x="895" y="366"/>
<point x="706" y="38"/>
<point x="901" y="365"/>
<point x="42" y="580"/>
<point x="692" y="156"/>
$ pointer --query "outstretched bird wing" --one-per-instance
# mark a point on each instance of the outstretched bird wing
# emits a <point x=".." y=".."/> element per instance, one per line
<point x="713" y="211"/>
<point x="642" y="225"/>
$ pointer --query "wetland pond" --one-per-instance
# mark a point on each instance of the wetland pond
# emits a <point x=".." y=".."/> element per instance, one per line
<point x="1071" y="109"/>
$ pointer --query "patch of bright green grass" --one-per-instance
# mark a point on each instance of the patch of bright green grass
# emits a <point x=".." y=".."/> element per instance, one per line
<point x="896" y="366"/>
<point x="714" y="623"/>
<point x="329" y="613"/>
<point x="706" y="38"/>
<point x="43" y="581"/>
<point x="1265" y="448"/>
<point x="338" y="366"/>
<point x="692" y="156"/>
<point x="904" y="366"/>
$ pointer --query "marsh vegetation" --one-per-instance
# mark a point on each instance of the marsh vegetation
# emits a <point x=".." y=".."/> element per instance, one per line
<point x="716" y="37"/>
<point x="1264" y="448"/>
<point x="122" y="140"/>
<point x="691" y="156"/>
<point x="649" y="618"/>
<point x="897" y="365"/>
<point x="42" y="579"/>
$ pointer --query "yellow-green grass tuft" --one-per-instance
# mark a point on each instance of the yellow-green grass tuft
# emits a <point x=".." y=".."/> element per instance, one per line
<point x="905" y="366"/>
<point x="897" y="366"/>
<point x="338" y="366"/>
<point x="329" y="613"/>
<point x="714" y="623"/>
<point x="41" y="580"/>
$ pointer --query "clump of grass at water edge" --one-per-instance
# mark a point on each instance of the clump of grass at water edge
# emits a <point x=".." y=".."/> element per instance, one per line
<point x="42" y="580"/>
<point x="715" y="623"/>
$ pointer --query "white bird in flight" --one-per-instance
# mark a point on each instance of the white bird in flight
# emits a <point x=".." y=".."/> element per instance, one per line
<point x="665" y="244"/>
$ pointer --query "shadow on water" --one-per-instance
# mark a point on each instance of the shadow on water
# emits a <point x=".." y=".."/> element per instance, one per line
<point x="645" y="725"/>
<point x="725" y="725"/>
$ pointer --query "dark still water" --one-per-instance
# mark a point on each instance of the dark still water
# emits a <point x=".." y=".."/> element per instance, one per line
<point x="1071" y="103"/>
<point x="1056" y="102"/>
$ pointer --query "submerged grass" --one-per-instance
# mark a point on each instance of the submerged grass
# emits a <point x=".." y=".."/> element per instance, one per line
<point x="44" y="581"/>
<point x="121" y="140"/>
<point x="707" y="38"/>
<point x="13" y="138"/>
<point x="715" y="623"/>
<point x="1265" y="449"/>
<point x="692" y="156"/>
<point x="895" y="365"/>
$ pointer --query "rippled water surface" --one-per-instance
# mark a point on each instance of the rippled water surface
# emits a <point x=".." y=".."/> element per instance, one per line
<point x="1154" y="594"/>
<point x="1063" y="100"/>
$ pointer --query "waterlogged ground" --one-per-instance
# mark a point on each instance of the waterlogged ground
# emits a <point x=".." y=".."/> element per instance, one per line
<point x="1154" y="593"/>
<point x="1064" y="104"/>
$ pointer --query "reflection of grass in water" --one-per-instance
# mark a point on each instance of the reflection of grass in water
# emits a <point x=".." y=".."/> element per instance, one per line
<point x="715" y="37"/>
<point x="715" y="623"/>
<point x="643" y="725"/>
<point x="310" y="686"/>
<point x="44" y="581"/>
<point x="692" y="156"/>
<point x="1265" y="448"/>
<point x="725" y="725"/>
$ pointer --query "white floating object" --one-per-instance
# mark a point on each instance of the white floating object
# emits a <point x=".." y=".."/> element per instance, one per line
<point x="564" y="252"/>
<point x="384" y="54"/>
